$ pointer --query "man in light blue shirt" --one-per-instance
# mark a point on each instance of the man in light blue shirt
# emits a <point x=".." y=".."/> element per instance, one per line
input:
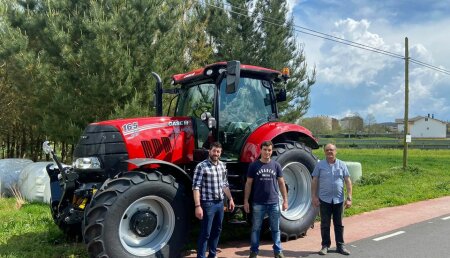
<point x="329" y="177"/>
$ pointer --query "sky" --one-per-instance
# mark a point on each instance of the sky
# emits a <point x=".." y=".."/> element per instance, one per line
<point x="354" y="81"/>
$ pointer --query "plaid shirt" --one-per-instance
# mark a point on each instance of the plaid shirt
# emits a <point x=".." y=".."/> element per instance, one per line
<point x="210" y="180"/>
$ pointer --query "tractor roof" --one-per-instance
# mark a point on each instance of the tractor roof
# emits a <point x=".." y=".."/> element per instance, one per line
<point x="212" y="71"/>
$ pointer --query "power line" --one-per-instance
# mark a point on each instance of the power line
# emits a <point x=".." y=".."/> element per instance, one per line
<point x="323" y="35"/>
<point x="429" y="66"/>
<point x="329" y="37"/>
<point x="313" y="32"/>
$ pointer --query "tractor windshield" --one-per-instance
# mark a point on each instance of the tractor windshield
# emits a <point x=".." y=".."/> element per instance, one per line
<point x="240" y="113"/>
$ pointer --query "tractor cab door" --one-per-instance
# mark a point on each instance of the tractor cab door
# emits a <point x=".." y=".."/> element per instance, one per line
<point x="241" y="112"/>
<point x="193" y="101"/>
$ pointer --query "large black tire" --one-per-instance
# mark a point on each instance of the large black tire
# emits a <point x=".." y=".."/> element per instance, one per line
<point x="297" y="162"/>
<point x="138" y="215"/>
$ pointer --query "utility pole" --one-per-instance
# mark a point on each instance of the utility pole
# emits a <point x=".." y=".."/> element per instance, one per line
<point x="406" y="120"/>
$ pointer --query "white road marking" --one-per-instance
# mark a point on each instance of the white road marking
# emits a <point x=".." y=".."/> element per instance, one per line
<point x="446" y="218"/>
<point x="388" y="236"/>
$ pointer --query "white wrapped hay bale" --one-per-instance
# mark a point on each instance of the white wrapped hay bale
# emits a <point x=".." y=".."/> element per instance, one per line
<point x="34" y="183"/>
<point x="9" y="174"/>
<point x="355" y="170"/>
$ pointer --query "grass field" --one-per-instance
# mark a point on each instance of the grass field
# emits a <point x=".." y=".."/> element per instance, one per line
<point x="385" y="184"/>
<point x="30" y="232"/>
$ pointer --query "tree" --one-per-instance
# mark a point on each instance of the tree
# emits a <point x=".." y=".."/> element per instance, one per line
<point x="370" y="123"/>
<point x="83" y="61"/>
<point x="282" y="50"/>
<point x="258" y="32"/>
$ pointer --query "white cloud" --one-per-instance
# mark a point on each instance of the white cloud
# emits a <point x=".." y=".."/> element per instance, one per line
<point x="372" y="82"/>
<point x="350" y="66"/>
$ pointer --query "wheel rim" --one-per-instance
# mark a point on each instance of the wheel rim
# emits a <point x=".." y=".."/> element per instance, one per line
<point x="298" y="183"/>
<point x="159" y="237"/>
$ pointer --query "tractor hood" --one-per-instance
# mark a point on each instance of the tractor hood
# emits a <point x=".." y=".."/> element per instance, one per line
<point x="164" y="138"/>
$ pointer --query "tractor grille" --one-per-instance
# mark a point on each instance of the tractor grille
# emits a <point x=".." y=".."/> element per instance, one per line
<point x="154" y="147"/>
<point x="106" y="143"/>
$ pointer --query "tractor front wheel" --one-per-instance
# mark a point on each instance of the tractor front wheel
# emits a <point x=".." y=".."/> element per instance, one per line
<point x="138" y="215"/>
<point x="297" y="163"/>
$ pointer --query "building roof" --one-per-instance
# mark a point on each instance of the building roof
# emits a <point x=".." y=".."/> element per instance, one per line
<point x="417" y="118"/>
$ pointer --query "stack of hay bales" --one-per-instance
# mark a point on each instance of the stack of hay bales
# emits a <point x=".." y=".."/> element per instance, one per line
<point x="10" y="170"/>
<point x="34" y="183"/>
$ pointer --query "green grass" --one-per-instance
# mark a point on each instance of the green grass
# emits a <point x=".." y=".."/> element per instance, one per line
<point x="385" y="184"/>
<point x="30" y="231"/>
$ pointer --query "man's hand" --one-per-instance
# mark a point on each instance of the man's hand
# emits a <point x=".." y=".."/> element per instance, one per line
<point x="246" y="207"/>
<point x="315" y="201"/>
<point x="199" y="212"/>
<point x="348" y="203"/>
<point x="231" y="205"/>
<point x="285" y="205"/>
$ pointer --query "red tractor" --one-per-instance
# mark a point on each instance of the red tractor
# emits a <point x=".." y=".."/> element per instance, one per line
<point x="129" y="189"/>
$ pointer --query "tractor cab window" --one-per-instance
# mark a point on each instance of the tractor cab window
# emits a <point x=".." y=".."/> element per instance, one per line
<point x="240" y="113"/>
<point x="193" y="101"/>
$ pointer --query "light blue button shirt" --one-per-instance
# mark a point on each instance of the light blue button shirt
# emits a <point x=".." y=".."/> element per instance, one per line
<point x="331" y="180"/>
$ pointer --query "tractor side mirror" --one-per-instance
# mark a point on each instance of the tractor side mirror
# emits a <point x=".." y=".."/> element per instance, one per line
<point x="281" y="95"/>
<point x="233" y="76"/>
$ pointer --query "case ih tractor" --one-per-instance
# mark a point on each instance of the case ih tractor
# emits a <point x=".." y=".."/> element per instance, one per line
<point x="129" y="188"/>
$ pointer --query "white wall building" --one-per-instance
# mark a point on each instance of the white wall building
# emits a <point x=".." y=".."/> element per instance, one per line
<point x="424" y="127"/>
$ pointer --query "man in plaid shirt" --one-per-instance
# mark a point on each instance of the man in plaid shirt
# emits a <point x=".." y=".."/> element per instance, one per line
<point x="209" y="185"/>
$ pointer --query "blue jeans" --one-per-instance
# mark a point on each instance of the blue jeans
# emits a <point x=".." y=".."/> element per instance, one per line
<point x="259" y="212"/>
<point x="210" y="228"/>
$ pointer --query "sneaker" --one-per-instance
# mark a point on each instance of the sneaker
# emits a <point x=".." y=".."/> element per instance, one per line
<point x="253" y="255"/>
<point x="343" y="250"/>
<point x="279" y="255"/>
<point x="324" y="250"/>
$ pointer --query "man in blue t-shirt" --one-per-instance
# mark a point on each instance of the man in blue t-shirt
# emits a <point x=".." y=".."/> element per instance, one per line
<point x="327" y="187"/>
<point x="265" y="181"/>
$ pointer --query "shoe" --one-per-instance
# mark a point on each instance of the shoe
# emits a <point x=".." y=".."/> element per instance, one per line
<point x="279" y="255"/>
<point x="343" y="250"/>
<point x="253" y="255"/>
<point x="324" y="250"/>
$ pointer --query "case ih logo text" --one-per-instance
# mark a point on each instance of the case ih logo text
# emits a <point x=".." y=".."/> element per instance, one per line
<point x="178" y="123"/>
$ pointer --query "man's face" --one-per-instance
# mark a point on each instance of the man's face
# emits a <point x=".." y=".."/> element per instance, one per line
<point x="330" y="151"/>
<point x="214" y="153"/>
<point x="266" y="152"/>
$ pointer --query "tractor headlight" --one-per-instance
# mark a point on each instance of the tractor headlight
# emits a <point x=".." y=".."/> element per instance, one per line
<point x="87" y="163"/>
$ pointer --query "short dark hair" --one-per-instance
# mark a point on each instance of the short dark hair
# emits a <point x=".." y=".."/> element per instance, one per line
<point x="266" y="144"/>
<point x="216" y="145"/>
<point x="330" y="143"/>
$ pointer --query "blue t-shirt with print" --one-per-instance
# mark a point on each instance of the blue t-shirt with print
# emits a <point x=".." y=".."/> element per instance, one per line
<point x="265" y="181"/>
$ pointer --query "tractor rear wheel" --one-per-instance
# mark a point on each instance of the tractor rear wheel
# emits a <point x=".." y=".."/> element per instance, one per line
<point x="297" y="162"/>
<point x="138" y="215"/>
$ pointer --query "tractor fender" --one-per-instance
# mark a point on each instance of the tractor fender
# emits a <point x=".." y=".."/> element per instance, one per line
<point x="167" y="166"/>
<point x="270" y="131"/>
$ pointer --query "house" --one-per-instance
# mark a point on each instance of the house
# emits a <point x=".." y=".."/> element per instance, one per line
<point x="320" y="124"/>
<point x="424" y="127"/>
<point x="352" y="123"/>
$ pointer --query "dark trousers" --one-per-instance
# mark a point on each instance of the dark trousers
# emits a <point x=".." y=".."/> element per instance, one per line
<point x="326" y="211"/>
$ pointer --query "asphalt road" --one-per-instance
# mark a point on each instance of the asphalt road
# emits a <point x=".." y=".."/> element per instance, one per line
<point x="426" y="235"/>
<point x="427" y="239"/>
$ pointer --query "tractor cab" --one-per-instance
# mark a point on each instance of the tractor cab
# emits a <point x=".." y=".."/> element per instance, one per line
<point x="227" y="105"/>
